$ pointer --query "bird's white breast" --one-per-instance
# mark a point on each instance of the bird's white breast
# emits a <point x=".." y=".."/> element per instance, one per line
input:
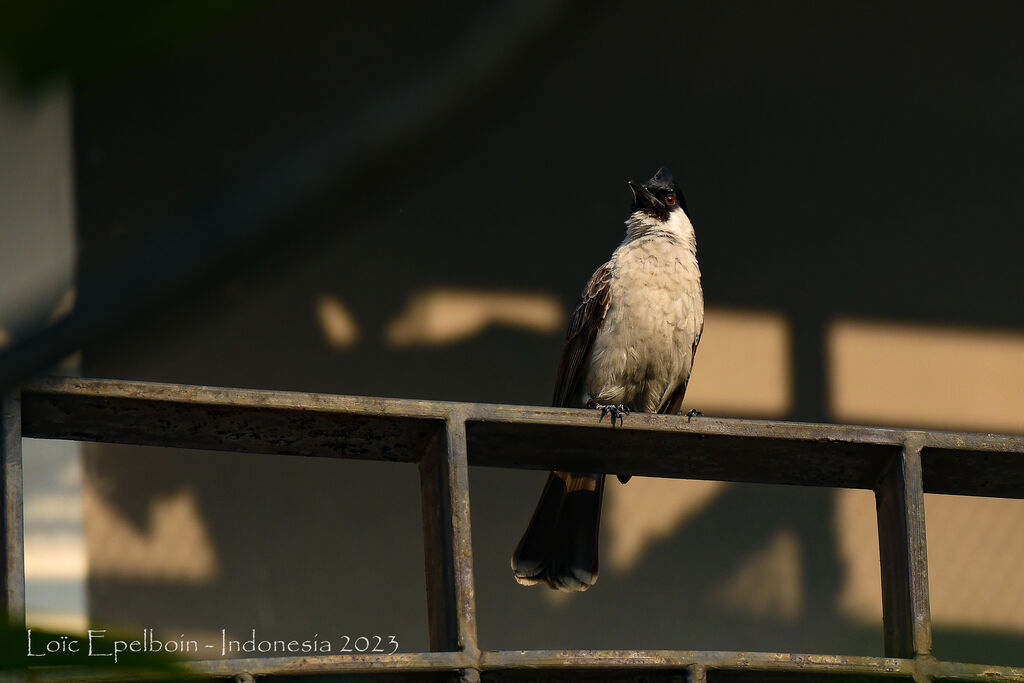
<point x="644" y="349"/>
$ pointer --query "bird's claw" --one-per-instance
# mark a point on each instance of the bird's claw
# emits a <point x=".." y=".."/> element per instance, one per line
<point x="615" y="410"/>
<point x="693" y="413"/>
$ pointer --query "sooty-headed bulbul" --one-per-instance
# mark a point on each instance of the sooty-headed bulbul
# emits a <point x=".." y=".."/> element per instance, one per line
<point x="629" y="347"/>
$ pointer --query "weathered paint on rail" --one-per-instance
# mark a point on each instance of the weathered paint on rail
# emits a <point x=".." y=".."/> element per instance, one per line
<point x="899" y="465"/>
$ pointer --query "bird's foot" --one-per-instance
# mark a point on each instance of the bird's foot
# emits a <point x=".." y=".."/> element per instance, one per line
<point x="693" y="413"/>
<point x="615" y="410"/>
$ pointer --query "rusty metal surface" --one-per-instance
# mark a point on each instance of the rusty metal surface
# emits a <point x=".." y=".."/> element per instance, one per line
<point x="437" y="499"/>
<point x="239" y="420"/>
<point x="567" y="664"/>
<point x="367" y="664"/>
<point x="260" y="667"/>
<point x="755" y="451"/>
<point x="842" y="667"/>
<point x="696" y="673"/>
<point x="676" y="449"/>
<point x="445" y="438"/>
<point x="287" y="423"/>
<point x="987" y="472"/>
<point x="555" y="660"/>
<point x="899" y="501"/>
<point x="12" y="597"/>
<point x="444" y="482"/>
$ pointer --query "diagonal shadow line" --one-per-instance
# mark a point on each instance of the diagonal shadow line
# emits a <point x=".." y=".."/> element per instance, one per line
<point x="167" y="261"/>
<point x="727" y="533"/>
<point x="690" y="564"/>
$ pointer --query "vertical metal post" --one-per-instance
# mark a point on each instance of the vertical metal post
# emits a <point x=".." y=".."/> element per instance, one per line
<point x="13" y="595"/>
<point x="695" y="673"/>
<point x="899" y="501"/>
<point x="444" y="488"/>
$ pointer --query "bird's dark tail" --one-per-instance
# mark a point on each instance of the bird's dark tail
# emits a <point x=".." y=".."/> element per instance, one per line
<point x="560" y="545"/>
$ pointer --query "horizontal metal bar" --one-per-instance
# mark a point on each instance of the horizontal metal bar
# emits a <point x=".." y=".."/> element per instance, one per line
<point x="667" y="446"/>
<point x="997" y="473"/>
<point x="420" y="662"/>
<point x="556" y="663"/>
<point x="246" y="420"/>
<point x="680" y="659"/>
<point x="767" y="662"/>
<point x="240" y="420"/>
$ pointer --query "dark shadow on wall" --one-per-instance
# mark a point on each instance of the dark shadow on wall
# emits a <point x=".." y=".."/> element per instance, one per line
<point x="303" y="546"/>
<point x="667" y="600"/>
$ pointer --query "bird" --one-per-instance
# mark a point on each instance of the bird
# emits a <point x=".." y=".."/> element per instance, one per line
<point x="629" y="346"/>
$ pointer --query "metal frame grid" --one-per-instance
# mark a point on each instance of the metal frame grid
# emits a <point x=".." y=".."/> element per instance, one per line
<point x="443" y="439"/>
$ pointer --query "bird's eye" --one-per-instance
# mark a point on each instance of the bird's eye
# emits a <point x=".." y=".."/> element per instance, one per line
<point x="670" y="199"/>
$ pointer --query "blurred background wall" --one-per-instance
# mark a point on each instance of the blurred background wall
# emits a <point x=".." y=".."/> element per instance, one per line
<point x="853" y="171"/>
<point x="37" y="287"/>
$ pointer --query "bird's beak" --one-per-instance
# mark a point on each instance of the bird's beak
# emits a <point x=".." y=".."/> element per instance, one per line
<point x="642" y="197"/>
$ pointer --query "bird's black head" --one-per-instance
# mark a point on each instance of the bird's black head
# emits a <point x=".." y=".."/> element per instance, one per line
<point x="659" y="196"/>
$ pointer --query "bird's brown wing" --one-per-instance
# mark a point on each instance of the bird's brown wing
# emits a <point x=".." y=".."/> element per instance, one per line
<point x="579" y="338"/>
<point x="675" y="399"/>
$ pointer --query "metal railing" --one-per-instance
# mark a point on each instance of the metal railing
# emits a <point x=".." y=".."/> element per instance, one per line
<point x="443" y="439"/>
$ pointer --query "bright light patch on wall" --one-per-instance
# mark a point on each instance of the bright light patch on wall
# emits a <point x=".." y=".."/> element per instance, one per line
<point x="446" y="316"/>
<point x="55" y="557"/>
<point x="743" y="365"/>
<point x="883" y="373"/>
<point x="64" y="305"/>
<point x="975" y="555"/>
<point x="860" y="596"/>
<point x="975" y="551"/>
<point x="336" y="322"/>
<point x="174" y="546"/>
<point x="648" y="510"/>
<point x="55" y="548"/>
